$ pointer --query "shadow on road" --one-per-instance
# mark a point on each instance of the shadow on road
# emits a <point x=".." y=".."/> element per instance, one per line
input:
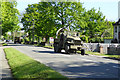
<point x="52" y="52"/>
<point x="112" y="58"/>
<point x="88" y="70"/>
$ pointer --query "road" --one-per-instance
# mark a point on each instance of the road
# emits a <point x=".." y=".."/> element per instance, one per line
<point x="72" y="66"/>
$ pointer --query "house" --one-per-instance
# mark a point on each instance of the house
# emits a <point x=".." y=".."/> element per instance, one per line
<point x="116" y="32"/>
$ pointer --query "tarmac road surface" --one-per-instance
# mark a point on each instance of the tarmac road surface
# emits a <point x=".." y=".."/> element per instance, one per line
<point x="75" y="65"/>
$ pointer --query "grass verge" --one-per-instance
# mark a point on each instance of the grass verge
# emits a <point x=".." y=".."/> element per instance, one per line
<point x="4" y="44"/>
<point x="105" y="55"/>
<point x="25" y="67"/>
<point x="51" y="47"/>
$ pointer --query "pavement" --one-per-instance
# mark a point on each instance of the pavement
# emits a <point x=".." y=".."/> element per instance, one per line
<point x="5" y="71"/>
<point x="73" y="66"/>
<point x="1" y="63"/>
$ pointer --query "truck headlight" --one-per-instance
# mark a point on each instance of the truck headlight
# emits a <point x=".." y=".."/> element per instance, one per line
<point x="81" y="42"/>
<point x="72" y="41"/>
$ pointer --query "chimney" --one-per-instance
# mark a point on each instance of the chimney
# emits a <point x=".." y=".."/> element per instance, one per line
<point x="118" y="10"/>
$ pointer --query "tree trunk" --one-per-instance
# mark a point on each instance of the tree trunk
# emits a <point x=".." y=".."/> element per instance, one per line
<point x="46" y="38"/>
<point x="38" y="40"/>
<point x="29" y="37"/>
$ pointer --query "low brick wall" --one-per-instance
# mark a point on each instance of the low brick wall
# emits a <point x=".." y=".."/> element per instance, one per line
<point x="108" y="48"/>
<point x="113" y="50"/>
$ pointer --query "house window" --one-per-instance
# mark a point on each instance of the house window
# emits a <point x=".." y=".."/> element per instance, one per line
<point x="119" y="28"/>
<point x="115" y="29"/>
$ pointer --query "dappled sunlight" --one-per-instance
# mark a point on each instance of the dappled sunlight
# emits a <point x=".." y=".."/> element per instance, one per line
<point x="86" y="69"/>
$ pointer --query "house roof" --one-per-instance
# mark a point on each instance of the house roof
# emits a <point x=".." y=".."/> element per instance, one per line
<point x="117" y="23"/>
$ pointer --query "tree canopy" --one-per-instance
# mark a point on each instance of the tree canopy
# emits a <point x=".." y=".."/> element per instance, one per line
<point x="9" y="16"/>
<point x="45" y="18"/>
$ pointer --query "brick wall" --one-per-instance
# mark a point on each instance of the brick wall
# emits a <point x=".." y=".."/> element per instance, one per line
<point x="107" y="48"/>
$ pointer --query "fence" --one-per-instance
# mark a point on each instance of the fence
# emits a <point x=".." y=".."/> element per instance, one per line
<point x="108" y="48"/>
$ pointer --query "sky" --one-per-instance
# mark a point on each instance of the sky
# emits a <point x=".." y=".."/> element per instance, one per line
<point x="109" y="8"/>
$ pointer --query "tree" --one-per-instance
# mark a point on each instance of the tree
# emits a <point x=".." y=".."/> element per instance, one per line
<point x="9" y="16"/>
<point x="39" y="18"/>
<point x="48" y="17"/>
<point x="67" y="14"/>
<point x="95" y="23"/>
<point x="45" y="18"/>
<point x="108" y="32"/>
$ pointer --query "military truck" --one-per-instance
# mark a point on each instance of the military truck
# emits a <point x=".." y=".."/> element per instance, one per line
<point x="69" y="41"/>
<point x="17" y="40"/>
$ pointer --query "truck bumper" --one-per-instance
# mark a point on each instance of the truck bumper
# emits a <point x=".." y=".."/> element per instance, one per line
<point x="75" y="47"/>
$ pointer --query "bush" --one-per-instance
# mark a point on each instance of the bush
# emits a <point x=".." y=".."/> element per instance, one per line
<point x="22" y="41"/>
<point x="85" y="39"/>
<point x="108" y="37"/>
<point x="26" y="40"/>
<point x="96" y="40"/>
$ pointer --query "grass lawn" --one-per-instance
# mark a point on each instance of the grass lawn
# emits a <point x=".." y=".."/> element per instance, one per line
<point x="23" y="66"/>
<point x="106" y="55"/>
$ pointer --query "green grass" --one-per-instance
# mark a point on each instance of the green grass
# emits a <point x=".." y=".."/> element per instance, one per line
<point x="23" y="66"/>
<point x="48" y="46"/>
<point x="106" y="55"/>
<point x="4" y="44"/>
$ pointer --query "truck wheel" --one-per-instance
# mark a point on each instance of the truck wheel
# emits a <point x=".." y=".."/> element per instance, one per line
<point x="56" y="49"/>
<point x="67" y="49"/>
<point x="59" y="50"/>
<point x="82" y="52"/>
<point x="75" y="51"/>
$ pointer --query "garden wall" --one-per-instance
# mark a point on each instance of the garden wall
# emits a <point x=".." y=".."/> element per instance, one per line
<point x="107" y="48"/>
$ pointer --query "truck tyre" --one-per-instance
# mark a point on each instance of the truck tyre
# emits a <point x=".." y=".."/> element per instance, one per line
<point x="56" y="49"/>
<point x="67" y="49"/>
<point x="82" y="52"/>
